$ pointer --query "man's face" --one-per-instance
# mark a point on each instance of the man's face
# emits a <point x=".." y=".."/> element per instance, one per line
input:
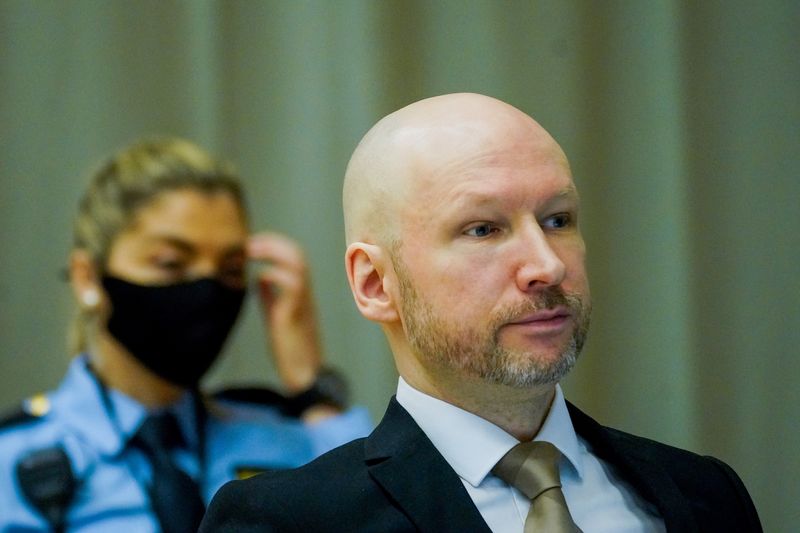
<point x="490" y="264"/>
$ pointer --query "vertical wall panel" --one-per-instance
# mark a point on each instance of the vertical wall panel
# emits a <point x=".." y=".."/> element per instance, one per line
<point x="680" y="119"/>
<point x="634" y="198"/>
<point x="744" y="115"/>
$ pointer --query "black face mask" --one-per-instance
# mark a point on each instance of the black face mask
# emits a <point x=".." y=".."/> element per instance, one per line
<point x="176" y="331"/>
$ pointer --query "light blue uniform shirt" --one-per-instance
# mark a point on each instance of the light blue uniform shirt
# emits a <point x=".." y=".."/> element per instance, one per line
<point x="94" y="428"/>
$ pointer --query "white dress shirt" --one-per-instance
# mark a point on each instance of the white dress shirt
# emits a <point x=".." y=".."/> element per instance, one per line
<point x="597" y="498"/>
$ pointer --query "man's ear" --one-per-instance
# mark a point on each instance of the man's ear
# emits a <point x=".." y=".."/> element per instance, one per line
<point x="84" y="279"/>
<point x="366" y="266"/>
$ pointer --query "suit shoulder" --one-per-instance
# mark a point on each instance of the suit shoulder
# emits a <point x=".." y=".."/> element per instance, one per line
<point x="649" y="445"/>
<point x="701" y="478"/>
<point x="688" y="468"/>
<point x="604" y="439"/>
<point x="665" y="454"/>
<point x="706" y="481"/>
<point x="326" y="473"/>
<point x="280" y="499"/>
<point x="328" y="467"/>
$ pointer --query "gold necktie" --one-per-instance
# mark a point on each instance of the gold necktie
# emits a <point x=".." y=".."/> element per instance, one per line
<point x="532" y="467"/>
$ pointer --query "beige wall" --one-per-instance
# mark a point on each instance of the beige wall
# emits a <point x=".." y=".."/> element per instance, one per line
<point x="680" y="118"/>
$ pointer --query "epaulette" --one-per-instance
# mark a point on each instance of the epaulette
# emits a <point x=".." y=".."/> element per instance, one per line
<point x="330" y="389"/>
<point x="253" y="395"/>
<point x="287" y="406"/>
<point x="30" y="409"/>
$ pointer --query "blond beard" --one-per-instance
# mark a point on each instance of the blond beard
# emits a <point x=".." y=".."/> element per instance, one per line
<point x="478" y="353"/>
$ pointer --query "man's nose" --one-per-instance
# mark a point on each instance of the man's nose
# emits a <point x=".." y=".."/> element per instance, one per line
<point x="539" y="265"/>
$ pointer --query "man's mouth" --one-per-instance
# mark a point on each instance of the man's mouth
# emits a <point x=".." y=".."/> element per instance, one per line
<point x="544" y="321"/>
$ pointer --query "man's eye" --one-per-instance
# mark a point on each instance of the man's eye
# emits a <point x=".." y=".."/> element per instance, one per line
<point x="561" y="220"/>
<point x="482" y="230"/>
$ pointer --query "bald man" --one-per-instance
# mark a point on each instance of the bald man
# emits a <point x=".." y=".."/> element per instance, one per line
<point x="461" y="219"/>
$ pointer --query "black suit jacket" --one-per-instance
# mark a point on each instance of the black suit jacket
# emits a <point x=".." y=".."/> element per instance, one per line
<point x="395" y="480"/>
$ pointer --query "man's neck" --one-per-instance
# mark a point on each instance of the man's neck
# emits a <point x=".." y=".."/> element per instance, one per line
<point x="518" y="411"/>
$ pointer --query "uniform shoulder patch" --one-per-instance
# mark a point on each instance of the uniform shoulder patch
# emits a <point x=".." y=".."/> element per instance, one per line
<point x="30" y="409"/>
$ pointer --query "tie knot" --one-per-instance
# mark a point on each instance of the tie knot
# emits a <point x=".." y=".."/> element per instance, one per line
<point x="160" y="432"/>
<point x="531" y="467"/>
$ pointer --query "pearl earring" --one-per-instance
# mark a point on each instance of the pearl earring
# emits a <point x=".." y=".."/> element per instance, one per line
<point x="90" y="298"/>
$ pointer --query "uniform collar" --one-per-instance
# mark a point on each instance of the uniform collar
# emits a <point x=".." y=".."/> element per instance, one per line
<point x="107" y="418"/>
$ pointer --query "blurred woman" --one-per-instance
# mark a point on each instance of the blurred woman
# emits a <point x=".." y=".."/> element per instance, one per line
<point x="159" y="271"/>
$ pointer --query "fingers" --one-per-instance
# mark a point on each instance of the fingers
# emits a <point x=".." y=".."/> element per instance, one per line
<point x="283" y="280"/>
<point x="276" y="281"/>
<point x="285" y="290"/>
<point x="280" y="250"/>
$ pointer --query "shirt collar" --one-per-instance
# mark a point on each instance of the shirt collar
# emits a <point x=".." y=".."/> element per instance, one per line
<point x="471" y="445"/>
<point x="80" y="403"/>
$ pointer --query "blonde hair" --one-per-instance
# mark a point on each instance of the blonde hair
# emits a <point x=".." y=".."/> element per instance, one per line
<point x="130" y="179"/>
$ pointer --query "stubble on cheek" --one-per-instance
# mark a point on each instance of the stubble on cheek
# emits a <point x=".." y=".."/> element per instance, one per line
<point x="476" y="349"/>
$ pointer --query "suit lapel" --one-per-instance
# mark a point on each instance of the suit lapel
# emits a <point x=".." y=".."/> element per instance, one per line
<point x="403" y="461"/>
<point x="650" y="479"/>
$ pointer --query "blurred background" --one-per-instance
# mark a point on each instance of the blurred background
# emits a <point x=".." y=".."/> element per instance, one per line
<point x="681" y="120"/>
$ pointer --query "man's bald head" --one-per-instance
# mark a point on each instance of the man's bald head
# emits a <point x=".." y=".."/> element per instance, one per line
<point x="463" y="243"/>
<point x="403" y="148"/>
